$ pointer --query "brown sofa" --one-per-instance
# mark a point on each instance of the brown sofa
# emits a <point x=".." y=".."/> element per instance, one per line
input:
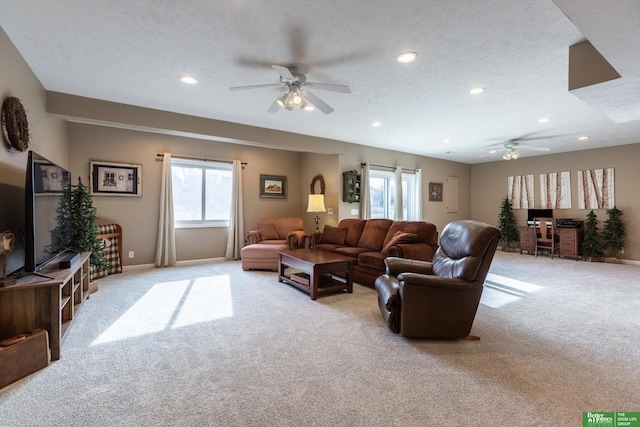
<point x="271" y="235"/>
<point x="372" y="240"/>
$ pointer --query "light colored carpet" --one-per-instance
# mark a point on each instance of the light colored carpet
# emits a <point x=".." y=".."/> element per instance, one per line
<point x="213" y="345"/>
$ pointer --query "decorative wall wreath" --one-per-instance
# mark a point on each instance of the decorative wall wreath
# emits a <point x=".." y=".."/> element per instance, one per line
<point x="313" y="184"/>
<point x="15" y="127"/>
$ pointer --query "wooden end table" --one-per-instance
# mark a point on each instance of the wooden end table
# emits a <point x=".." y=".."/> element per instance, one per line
<point x="318" y="265"/>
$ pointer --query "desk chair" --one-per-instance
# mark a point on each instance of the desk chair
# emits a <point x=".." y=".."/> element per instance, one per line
<point x="546" y="237"/>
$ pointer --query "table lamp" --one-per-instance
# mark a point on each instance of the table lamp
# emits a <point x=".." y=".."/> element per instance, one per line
<point x="316" y="204"/>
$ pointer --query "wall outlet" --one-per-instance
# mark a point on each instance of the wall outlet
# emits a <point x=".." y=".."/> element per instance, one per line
<point x="355" y="211"/>
<point x="330" y="211"/>
<point x="131" y="254"/>
<point x="621" y="250"/>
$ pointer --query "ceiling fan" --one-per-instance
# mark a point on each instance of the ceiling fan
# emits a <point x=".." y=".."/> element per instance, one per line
<point x="295" y="90"/>
<point x="512" y="146"/>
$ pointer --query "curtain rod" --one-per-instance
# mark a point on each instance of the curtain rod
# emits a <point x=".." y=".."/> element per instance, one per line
<point x="388" y="167"/>
<point x="198" y="158"/>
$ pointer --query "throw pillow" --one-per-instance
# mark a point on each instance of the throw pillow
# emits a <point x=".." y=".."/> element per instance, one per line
<point x="333" y="235"/>
<point x="267" y="231"/>
<point x="399" y="237"/>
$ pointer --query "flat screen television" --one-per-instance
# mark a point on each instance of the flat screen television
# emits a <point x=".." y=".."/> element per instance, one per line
<point x="539" y="213"/>
<point x="47" y="212"/>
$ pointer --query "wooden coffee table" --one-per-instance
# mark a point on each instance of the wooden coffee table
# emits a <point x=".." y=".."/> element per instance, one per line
<point x="318" y="268"/>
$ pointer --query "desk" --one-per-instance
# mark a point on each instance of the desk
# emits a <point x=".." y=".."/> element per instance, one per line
<point x="570" y="240"/>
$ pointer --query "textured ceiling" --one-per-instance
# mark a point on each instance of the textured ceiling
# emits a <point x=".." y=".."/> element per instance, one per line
<point x="134" y="52"/>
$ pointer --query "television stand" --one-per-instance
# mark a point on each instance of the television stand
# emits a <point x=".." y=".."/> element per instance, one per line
<point x="52" y="304"/>
<point x="36" y="273"/>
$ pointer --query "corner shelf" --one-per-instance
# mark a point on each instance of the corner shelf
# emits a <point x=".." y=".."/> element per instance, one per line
<point x="351" y="186"/>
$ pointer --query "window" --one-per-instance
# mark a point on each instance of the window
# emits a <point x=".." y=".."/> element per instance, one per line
<point x="382" y="194"/>
<point x="201" y="193"/>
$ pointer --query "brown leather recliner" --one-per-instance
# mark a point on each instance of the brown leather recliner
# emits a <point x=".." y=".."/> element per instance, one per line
<point x="439" y="299"/>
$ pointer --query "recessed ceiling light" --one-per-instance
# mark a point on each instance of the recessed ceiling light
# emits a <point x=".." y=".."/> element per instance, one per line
<point x="376" y="124"/>
<point x="188" y="80"/>
<point x="446" y="140"/>
<point x="476" y="90"/>
<point x="406" y="57"/>
<point x="583" y="138"/>
<point x="544" y="120"/>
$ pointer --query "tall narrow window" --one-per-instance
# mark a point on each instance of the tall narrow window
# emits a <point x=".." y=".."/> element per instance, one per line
<point x="382" y="195"/>
<point x="201" y="193"/>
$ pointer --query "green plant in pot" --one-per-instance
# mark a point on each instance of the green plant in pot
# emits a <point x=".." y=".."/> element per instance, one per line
<point x="592" y="244"/>
<point x="614" y="234"/>
<point x="84" y="232"/>
<point x="508" y="225"/>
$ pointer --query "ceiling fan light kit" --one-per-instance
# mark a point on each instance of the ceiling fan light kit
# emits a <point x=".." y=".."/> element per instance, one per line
<point x="296" y="92"/>
<point x="511" y="154"/>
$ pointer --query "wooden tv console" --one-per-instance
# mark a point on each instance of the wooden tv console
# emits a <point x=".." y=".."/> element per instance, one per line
<point x="37" y="302"/>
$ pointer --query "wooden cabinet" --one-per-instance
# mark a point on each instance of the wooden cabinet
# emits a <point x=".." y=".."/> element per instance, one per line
<point x="570" y="242"/>
<point x="527" y="239"/>
<point x="351" y="183"/>
<point x="50" y="303"/>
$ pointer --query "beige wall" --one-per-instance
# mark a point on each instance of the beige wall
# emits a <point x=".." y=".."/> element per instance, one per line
<point x="138" y="216"/>
<point x="489" y="186"/>
<point x="433" y="170"/>
<point x="48" y="133"/>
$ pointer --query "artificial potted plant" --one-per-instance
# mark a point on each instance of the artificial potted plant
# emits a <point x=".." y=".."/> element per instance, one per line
<point x="614" y="234"/>
<point x="508" y="226"/>
<point x="592" y="244"/>
<point x="84" y="231"/>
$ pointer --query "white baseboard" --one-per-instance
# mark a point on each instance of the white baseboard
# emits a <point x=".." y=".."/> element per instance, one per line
<point x="185" y="262"/>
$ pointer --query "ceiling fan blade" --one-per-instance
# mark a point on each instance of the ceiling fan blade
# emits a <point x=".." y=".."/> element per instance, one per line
<point x="527" y="147"/>
<point x="319" y="103"/>
<point x="330" y="87"/>
<point x="283" y="71"/>
<point x="255" y="86"/>
<point x="273" y="108"/>
<point x="493" y="151"/>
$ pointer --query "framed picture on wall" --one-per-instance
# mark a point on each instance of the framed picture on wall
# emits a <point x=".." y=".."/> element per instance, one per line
<point x="115" y="179"/>
<point x="435" y="191"/>
<point x="273" y="186"/>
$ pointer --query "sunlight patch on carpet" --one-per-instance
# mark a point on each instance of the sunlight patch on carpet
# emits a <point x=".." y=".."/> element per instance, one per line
<point x="171" y="305"/>
<point x="500" y="290"/>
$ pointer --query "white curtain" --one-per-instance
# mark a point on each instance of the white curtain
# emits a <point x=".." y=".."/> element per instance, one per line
<point x="418" y="196"/>
<point x="166" y="244"/>
<point x="398" y="214"/>
<point x="235" y="238"/>
<point x="365" y="201"/>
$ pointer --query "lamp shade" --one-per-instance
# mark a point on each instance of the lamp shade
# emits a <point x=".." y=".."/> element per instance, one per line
<point x="316" y="203"/>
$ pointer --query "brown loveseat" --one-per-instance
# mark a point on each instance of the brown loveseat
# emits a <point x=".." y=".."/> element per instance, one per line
<point x="372" y="240"/>
<point x="271" y="235"/>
